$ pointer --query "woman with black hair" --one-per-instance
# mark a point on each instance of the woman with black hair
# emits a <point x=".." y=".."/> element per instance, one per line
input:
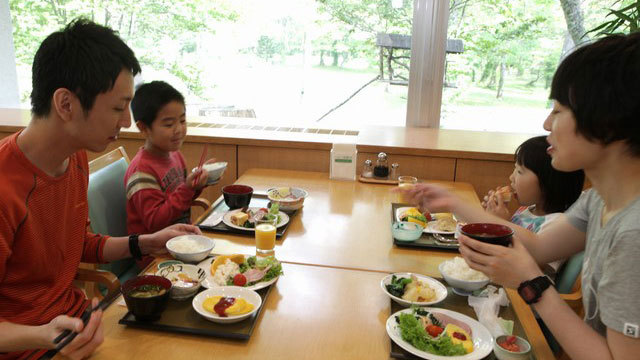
<point x="594" y="126"/>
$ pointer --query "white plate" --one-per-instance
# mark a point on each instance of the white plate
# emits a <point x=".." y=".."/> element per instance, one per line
<point x="209" y="283"/>
<point x="431" y="225"/>
<point x="437" y="286"/>
<point x="482" y="339"/>
<point x="229" y="291"/>
<point x="226" y="219"/>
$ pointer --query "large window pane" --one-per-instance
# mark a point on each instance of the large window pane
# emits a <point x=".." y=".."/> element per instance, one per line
<point x="511" y="49"/>
<point x="279" y="61"/>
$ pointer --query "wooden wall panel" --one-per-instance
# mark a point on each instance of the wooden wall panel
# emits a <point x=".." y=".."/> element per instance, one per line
<point x="422" y="167"/>
<point x="485" y="175"/>
<point x="282" y="158"/>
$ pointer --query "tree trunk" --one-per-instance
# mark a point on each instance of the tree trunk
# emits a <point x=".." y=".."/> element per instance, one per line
<point x="575" y="20"/>
<point x="335" y="55"/>
<point x="130" y="25"/>
<point x="503" y="73"/>
<point x="321" y="57"/>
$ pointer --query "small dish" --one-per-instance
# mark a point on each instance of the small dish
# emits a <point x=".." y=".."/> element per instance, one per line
<point x="190" y="248"/>
<point x="462" y="287"/>
<point x="288" y="198"/>
<point x="437" y="286"/>
<point x="166" y="263"/>
<point x="406" y="231"/>
<point x="504" y="354"/>
<point x="226" y="291"/>
<point x="185" y="279"/>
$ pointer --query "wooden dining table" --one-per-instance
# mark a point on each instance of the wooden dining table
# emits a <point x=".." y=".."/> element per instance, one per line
<point x="328" y="304"/>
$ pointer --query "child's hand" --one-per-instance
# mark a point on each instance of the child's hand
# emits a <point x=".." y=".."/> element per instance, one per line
<point x="494" y="204"/>
<point x="197" y="179"/>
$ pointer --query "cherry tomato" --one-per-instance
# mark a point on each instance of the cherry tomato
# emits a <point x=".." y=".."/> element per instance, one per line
<point x="434" y="330"/>
<point x="239" y="280"/>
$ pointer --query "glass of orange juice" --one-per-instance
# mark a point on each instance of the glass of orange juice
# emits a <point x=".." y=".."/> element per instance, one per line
<point x="405" y="183"/>
<point x="265" y="237"/>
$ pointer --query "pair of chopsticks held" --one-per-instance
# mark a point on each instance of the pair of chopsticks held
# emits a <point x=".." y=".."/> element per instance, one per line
<point x="196" y="181"/>
<point x="67" y="336"/>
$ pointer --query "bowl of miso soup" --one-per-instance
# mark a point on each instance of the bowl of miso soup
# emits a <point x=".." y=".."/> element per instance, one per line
<point x="146" y="296"/>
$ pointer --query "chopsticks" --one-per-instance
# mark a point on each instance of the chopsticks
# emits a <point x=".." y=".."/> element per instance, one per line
<point x="68" y="335"/>
<point x="202" y="157"/>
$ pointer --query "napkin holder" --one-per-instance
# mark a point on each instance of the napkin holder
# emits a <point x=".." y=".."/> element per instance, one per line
<point x="343" y="161"/>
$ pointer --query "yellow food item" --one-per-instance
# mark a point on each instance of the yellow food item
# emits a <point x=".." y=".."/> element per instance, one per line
<point x="451" y="331"/>
<point x="418" y="291"/>
<point x="239" y="307"/>
<point x="221" y="259"/>
<point x="239" y="218"/>
<point x="439" y="216"/>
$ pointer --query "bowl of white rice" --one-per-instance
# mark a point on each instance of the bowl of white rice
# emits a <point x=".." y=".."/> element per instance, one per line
<point x="457" y="273"/>
<point x="190" y="248"/>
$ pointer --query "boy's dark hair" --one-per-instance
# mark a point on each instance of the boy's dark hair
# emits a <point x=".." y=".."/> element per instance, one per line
<point x="559" y="189"/>
<point x="150" y="98"/>
<point x="85" y="58"/>
<point x="600" y="83"/>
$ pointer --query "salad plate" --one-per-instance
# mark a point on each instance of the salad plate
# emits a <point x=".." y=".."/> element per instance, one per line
<point x="480" y="336"/>
<point x="226" y="219"/>
<point x="209" y="283"/>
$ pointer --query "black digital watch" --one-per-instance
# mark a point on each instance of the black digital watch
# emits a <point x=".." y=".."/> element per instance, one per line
<point x="531" y="290"/>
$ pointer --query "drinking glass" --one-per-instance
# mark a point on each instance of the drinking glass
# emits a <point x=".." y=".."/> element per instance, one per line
<point x="405" y="183"/>
<point x="265" y="237"/>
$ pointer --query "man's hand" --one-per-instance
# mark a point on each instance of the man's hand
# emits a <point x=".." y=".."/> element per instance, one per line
<point x="89" y="336"/>
<point x="155" y="243"/>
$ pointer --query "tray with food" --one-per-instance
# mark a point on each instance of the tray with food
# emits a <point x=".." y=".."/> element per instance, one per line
<point x="450" y="331"/>
<point x="413" y="228"/>
<point x="203" y="315"/>
<point x="220" y="218"/>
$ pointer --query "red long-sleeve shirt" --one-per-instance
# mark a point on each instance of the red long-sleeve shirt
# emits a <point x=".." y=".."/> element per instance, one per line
<point x="157" y="195"/>
<point x="43" y="238"/>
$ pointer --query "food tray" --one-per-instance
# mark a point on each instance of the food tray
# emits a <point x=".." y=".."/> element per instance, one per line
<point x="257" y="200"/>
<point x="376" y="180"/>
<point x="459" y="304"/>
<point x="180" y="317"/>
<point x="425" y="241"/>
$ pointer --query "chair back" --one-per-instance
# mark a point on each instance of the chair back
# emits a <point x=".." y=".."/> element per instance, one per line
<point x="568" y="273"/>
<point x="108" y="204"/>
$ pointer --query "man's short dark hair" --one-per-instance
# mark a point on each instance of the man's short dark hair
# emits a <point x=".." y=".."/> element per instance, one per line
<point x="600" y="83"/>
<point x="150" y="98"/>
<point x="85" y="58"/>
<point x="559" y="189"/>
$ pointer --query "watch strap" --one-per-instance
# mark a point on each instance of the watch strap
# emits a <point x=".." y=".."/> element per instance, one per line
<point x="134" y="247"/>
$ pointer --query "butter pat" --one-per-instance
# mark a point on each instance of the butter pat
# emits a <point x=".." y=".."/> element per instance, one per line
<point x="343" y="161"/>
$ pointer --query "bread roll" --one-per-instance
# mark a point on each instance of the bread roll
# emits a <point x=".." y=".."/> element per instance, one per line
<point x="506" y="193"/>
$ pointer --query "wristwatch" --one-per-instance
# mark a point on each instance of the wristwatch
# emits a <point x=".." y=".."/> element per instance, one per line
<point x="134" y="247"/>
<point x="531" y="290"/>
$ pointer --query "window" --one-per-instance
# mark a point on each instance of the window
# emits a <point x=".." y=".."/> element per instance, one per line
<point x="293" y="62"/>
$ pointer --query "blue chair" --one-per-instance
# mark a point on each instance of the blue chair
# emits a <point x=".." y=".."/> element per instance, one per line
<point x="108" y="205"/>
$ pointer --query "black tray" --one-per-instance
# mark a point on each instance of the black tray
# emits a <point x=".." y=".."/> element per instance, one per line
<point x="425" y="241"/>
<point x="257" y="200"/>
<point x="180" y="317"/>
<point x="457" y="303"/>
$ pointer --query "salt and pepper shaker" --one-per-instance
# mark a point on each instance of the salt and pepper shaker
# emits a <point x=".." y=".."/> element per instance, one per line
<point x="394" y="171"/>
<point x="367" y="170"/>
<point x="381" y="169"/>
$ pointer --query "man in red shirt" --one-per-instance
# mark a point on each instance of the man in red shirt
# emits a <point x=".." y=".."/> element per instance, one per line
<point x="82" y="87"/>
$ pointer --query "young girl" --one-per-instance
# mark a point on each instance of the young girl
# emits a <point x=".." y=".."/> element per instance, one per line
<point x="542" y="191"/>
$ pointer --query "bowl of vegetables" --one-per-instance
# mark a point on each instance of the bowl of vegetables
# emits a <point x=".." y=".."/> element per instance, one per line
<point x="409" y="289"/>
<point x="511" y="347"/>
<point x="185" y="278"/>
<point x="288" y="198"/>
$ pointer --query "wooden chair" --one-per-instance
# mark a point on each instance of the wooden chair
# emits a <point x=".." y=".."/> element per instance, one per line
<point x="108" y="204"/>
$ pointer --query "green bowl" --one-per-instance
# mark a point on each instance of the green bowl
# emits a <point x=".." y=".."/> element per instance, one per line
<point x="406" y="231"/>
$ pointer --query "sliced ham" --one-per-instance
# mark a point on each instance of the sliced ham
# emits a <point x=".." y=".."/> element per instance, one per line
<point x="446" y="320"/>
<point x="256" y="274"/>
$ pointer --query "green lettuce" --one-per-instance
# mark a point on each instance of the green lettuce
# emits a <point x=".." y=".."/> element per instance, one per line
<point x="412" y="332"/>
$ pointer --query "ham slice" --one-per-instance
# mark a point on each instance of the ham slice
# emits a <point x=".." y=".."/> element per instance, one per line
<point x="445" y="320"/>
<point x="256" y="274"/>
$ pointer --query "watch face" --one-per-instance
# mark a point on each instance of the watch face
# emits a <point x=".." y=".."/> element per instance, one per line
<point x="527" y="293"/>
